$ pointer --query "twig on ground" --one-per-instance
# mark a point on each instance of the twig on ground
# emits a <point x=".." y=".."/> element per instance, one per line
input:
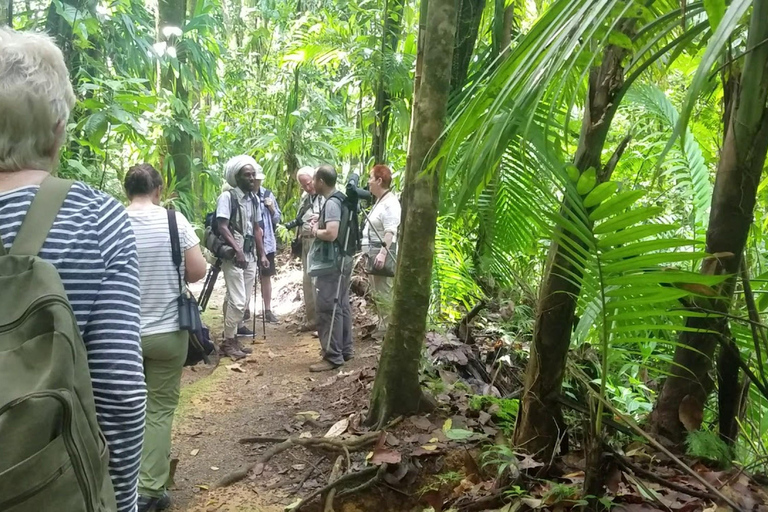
<point x="335" y="474"/>
<point x="309" y="473"/>
<point x="350" y="445"/>
<point x="629" y="466"/>
<point x="365" y="485"/>
<point x="343" y="479"/>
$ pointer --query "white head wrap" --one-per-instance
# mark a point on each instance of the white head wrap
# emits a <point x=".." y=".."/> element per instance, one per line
<point x="234" y="165"/>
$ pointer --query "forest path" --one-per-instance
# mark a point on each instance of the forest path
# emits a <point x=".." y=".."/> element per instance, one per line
<point x="259" y="396"/>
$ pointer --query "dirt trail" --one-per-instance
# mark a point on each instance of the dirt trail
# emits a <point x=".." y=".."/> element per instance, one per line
<point x="259" y="396"/>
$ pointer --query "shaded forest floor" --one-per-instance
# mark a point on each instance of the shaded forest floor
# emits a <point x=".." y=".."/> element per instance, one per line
<point x="457" y="458"/>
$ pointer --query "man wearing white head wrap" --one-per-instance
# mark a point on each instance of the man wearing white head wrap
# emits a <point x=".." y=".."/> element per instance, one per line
<point x="238" y="214"/>
<point x="309" y="209"/>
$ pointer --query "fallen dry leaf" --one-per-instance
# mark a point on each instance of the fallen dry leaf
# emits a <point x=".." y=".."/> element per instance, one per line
<point x="528" y="462"/>
<point x="338" y="428"/>
<point x="236" y="368"/>
<point x="215" y="468"/>
<point x="385" y="456"/>
<point x="194" y="452"/>
<point x="307" y="415"/>
<point x="305" y="435"/>
<point x="421" y="422"/>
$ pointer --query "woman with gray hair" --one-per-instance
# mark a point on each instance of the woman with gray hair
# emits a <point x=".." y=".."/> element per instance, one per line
<point x="91" y="244"/>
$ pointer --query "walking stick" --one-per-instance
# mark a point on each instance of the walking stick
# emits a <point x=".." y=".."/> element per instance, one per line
<point x="263" y="311"/>
<point x="253" y="319"/>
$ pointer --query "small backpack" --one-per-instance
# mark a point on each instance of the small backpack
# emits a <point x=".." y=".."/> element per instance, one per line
<point x="53" y="455"/>
<point x="327" y="258"/>
<point x="212" y="239"/>
<point x="348" y="228"/>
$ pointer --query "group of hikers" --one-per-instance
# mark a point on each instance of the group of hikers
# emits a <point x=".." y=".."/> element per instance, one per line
<point x="93" y="327"/>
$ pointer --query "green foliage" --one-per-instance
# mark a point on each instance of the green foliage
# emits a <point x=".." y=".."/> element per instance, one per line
<point x="707" y="445"/>
<point x="506" y="413"/>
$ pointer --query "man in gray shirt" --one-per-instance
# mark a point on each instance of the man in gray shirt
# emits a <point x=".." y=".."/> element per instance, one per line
<point x="336" y="340"/>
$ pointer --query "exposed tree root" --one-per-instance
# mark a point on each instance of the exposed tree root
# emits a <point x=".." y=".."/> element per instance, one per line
<point x="346" y="446"/>
<point x="335" y="474"/>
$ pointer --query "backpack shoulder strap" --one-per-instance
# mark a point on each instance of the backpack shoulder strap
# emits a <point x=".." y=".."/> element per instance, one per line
<point x="173" y="230"/>
<point x="235" y="220"/>
<point x="40" y="217"/>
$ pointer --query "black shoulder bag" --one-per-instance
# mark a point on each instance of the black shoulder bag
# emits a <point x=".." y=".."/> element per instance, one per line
<point x="200" y="346"/>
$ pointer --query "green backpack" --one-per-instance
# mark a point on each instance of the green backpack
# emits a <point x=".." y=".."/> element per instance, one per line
<point x="53" y="457"/>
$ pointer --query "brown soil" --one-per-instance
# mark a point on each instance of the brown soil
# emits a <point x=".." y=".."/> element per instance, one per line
<point x="260" y="396"/>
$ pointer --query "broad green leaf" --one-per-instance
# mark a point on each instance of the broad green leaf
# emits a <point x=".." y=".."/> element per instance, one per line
<point x="633" y="234"/>
<point x="457" y="434"/>
<point x="715" y="12"/>
<point x="620" y="39"/>
<point x="627" y="219"/>
<point x="600" y="193"/>
<point x="647" y="246"/>
<point x="586" y="181"/>
<point x="616" y="204"/>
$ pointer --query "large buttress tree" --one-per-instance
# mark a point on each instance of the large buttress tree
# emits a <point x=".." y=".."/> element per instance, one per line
<point x="740" y="167"/>
<point x="397" y="389"/>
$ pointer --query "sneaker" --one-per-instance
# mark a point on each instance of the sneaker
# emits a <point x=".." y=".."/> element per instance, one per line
<point x="147" y="504"/>
<point x="271" y="318"/>
<point x="244" y="331"/>
<point x="307" y="327"/>
<point x="323" y="366"/>
<point x="349" y="357"/>
<point x="230" y="349"/>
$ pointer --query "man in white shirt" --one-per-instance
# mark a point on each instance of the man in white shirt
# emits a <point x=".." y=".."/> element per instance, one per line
<point x="240" y="229"/>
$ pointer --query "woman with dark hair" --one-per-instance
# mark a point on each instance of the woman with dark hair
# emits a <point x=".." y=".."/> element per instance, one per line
<point x="163" y="343"/>
<point x="380" y="237"/>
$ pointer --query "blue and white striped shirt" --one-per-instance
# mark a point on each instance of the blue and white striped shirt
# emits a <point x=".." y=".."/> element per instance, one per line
<point x="92" y="246"/>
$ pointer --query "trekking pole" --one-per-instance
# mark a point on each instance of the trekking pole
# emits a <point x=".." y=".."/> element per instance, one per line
<point x="253" y="316"/>
<point x="263" y="308"/>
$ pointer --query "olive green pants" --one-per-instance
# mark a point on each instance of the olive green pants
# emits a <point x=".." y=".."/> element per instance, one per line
<point x="164" y="356"/>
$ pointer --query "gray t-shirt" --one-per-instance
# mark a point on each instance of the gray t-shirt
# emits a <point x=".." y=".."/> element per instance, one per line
<point x="331" y="213"/>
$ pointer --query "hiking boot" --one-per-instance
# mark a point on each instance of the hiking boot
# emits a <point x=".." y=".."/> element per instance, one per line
<point x="349" y="357"/>
<point x="270" y="317"/>
<point x="230" y="349"/>
<point x="147" y="504"/>
<point x="307" y="327"/>
<point x="323" y="366"/>
<point x="244" y="331"/>
<point x="244" y="350"/>
<point x="164" y="501"/>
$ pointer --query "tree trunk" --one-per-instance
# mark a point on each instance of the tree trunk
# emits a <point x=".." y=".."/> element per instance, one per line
<point x="396" y="390"/>
<point x="172" y="13"/>
<point x="393" y="15"/>
<point x="733" y="201"/>
<point x="540" y="423"/>
<point x="470" y="14"/>
<point x="7" y="16"/>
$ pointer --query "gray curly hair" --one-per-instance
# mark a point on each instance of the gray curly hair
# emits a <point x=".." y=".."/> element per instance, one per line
<point x="36" y="98"/>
